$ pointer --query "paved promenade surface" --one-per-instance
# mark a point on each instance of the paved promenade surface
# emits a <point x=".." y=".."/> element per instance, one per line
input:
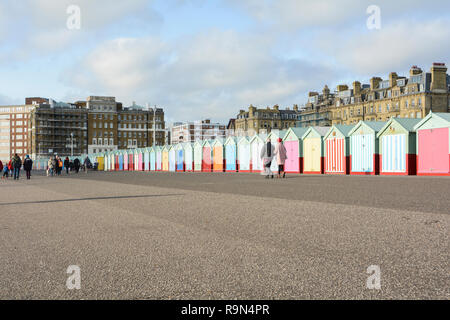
<point x="139" y="235"/>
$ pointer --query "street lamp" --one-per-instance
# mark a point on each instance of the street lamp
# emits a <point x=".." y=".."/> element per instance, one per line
<point x="71" y="145"/>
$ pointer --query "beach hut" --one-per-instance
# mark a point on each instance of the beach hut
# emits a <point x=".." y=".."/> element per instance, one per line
<point x="172" y="158"/>
<point x="397" y="145"/>
<point x="179" y="157"/>
<point x="313" y="150"/>
<point x="112" y="161"/>
<point x="337" y="149"/>
<point x="188" y="157"/>
<point x="106" y="163"/>
<point x="218" y="157"/>
<point x="152" y="159"/>
<point x="293" y="143"/>
<point x="243" y="155"/>
<point x="256" y="144"/>
<point x="125" y="160"/>
<point x="120" y="157"/>
<point x="207" y="156"/>
<point x="158" y="152"/>
<point x="101" y="162"/>
<point x="433" y="144"/>
<point x="146" y="156"/>
<point x="274" y="135"/>
<point x="364" y="148"/>
<point x="230" y="147"/>
<point x="198" y="155"/>
<point x="165" y="158"/>
<point x="130" y="159"/>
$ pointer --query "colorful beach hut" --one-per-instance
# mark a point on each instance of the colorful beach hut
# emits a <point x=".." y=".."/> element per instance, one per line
<point x="207" y="156"/>
<point x="364" y="148"/>
<point x="230" y="147"/>
<point x="152" y="159"/>
<point x="218" y="156"/>
<point x="433" y="144"/>
<point x="165" y="158"/>
<point x="146" y="159"/>
<point x="397" y="145"/>
<point x="244" y="155"/>
<point x="198" y="155"/>
<point x="179" y="157"/>
<point x="256" y="144"/>
<point x="172" y="158"/>
<point x="294" y="150"/>
<point x="337" y="149"/>
<point x="158" y="152"/>
<point x="313" y="150"/>
<point x="125" y="160"/>
<point x="120" y="156"/>
<point x="188" y="157"/>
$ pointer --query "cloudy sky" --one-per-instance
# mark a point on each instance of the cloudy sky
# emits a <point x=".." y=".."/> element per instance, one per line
<point x="209" y="58"/>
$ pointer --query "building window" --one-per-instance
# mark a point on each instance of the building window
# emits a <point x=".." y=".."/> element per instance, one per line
<point x="94" y="141"/>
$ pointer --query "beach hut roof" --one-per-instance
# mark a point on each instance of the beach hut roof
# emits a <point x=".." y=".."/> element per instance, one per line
<point x="278" y="133"/>
<point x="243" y="139"/>
<point x="219" y="140"/>
<point x="298" y="132"/>
<point x="406" y="123"/>
<point x="231" y="139"/>
<point x="322" y="131"/>
<point x="374" y="125"/>
<point x="342" y="128"/>
<point x="443" y="116"/>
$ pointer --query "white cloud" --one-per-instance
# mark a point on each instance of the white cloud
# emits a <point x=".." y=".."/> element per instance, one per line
<point x="213" y="74"/>
<point x="393" y="47"/>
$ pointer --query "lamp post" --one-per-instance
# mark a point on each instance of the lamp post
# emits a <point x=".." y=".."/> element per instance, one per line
<point x="71" y="144"/>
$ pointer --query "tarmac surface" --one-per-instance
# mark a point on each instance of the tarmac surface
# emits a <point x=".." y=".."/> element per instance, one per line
<point x="140" y="235"/>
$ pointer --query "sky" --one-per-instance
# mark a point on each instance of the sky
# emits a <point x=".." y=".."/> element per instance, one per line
<point x="202" y="59"/>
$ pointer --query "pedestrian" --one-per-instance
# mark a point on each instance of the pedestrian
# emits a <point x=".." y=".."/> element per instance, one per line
<point x="76" y="164"/>
<point x="27" y="166"/>
<point x="17" y="164"/>
<point x="60" y="165"/>
<point x="5" y="172"/>
<point x="267" y="154"/>
<point x="50" y="168"/>
<point x="67" y="164"/>
<point x="1" y="166"/>
<point x="281" y="153"/>
<point x="10" y="167"/>
<point x="87" y="164"/>
<point x="55" y="166"/>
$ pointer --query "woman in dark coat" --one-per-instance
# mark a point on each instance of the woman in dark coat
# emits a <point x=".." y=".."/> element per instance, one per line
<point x="67" y="164"/>
<point x="27" y="166"/>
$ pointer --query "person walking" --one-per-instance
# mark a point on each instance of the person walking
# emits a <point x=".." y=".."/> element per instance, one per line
<point x="17" y="164"/>
<point x="267" y="154"/>
<point x="50" y="168"/>
<point x="60" y="165"/>
<point x="1" y="166"/>
<point x="67" y="164"/>
<point x="76" y="164"/>
<point x="5" y="172"/>
<point x="27" y="166"/>
<point x="281" y="153"/>
<point x="10" y="167"/>
<point x="87" y="164"/>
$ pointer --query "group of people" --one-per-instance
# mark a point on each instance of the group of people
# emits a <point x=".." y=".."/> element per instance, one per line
<point x="268" y="152"/>
<point x="12" y="168"/>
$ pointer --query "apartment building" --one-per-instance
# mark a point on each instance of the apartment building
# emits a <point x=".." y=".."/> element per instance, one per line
<point x="405" y="97"/>
<point x="57" y="128"/>
<point x="139" y="126"/>
<point x="14" y="135"/>
<point x="197" y="130"/>
<point x="317" y="110"/>
<point x="257" y="120"/>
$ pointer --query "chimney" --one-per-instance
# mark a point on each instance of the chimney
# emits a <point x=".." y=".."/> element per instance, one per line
<point x="356" y="88"/>
<point x="392" y="79"/>
<point x="326" y="91"/>
<point x="374" y="82"/>
<point x="439" y="77"/>
<point x="276" y="107"/>
<point x="415" y="71"/>
<point x="342" y="87"/>
<point x="295" y="107"/>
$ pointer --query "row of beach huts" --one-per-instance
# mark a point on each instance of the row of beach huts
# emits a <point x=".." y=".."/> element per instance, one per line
<point x="401" y="146"/>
